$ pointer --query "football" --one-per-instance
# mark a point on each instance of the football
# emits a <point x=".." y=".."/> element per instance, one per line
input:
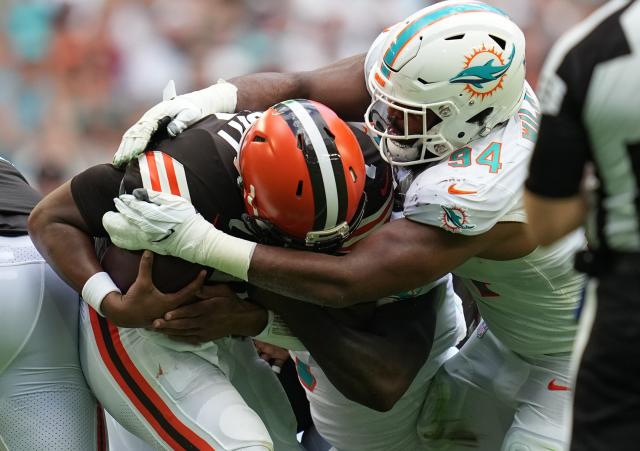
<point x="169" y="274"/>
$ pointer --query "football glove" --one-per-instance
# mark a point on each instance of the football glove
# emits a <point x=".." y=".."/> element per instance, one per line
<point x="181" y="112"/>
<point x="170" y="225"/>
<point x="153" y="212"/>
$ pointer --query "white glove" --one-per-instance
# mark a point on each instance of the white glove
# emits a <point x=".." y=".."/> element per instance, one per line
<point x="154" y="213"/>
<point x="182" y="111"/>
<point x="127" y="235"/>
<point x="170" y="225"/>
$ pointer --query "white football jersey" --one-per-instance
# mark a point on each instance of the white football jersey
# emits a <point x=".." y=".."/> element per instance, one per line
<point x="529" y="303"/>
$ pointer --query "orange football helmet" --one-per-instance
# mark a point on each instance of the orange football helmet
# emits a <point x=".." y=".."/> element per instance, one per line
<point x="302" y="174"/>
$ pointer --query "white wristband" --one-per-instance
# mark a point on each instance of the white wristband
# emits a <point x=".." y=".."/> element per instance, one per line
<point x="96" y="288"/>
<point x="198" y="241"/>
<point x="227" y="253"/>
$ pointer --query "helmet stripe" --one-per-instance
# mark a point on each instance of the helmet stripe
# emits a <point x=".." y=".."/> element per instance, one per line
<point x="315" y="174"/>
<point x="413" y="28"/>
<point x="323" y="162"/>
<point x="339" y="179"/>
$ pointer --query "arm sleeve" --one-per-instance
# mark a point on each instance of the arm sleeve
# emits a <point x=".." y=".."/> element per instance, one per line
<point x="93" y="191"/>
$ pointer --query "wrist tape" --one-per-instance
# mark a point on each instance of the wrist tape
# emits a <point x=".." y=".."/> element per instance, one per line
<point x="96" y="288"/>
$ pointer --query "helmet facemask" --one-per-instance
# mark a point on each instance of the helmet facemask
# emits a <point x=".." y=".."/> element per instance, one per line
<point x="406" y="132"/>
<point x="325" y="241"/>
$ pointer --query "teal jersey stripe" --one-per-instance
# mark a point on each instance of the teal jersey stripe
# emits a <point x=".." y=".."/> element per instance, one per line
<point x="430" y="18"/>
<point x="529" y="117"/>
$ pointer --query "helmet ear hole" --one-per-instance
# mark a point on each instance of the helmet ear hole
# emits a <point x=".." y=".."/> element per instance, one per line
<point x="330" y="134"/>
<point x="501" y="42"/>
<point x="259" y="139"/>
<point x="354" y="176"/>
<point x="481" y="117"/>
<point x="299" y="188"/>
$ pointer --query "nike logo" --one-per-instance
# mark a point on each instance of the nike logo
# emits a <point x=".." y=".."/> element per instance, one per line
<point x="453" y="190"/>
<point x="169" y="233"/>
<point x="557" y="387"/>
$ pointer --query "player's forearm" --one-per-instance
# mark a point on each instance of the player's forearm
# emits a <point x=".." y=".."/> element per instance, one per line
<point x="340" y="86"/>
<point x="257" y="92"/>
<point x="57" y="235"/>
<point x="550" y="219"/>
<point x="68" y="250"/>
<point x="316" y="278"/>
<point x="383" y="264"/>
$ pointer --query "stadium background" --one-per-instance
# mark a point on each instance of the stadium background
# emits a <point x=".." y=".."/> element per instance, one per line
<point x="75" y="74"/>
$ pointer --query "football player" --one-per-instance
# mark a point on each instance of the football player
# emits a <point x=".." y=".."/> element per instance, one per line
<point x="374" y="402"/>
<point x="450" y="108"/>
<point x="44" y="400"/>
<point x="321" y="165"/>
<point x="169" y="398"/>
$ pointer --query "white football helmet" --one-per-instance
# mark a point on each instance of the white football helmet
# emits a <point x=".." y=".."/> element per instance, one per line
<point x="443" y="77"/>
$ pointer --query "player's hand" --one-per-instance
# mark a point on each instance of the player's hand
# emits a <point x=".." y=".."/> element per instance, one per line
<point x="127" y="235"/>
<point x="157" y="221"/>
<point x="143" y="302"/>
<point x="170" y="225"/>
<point x="178" y="112"/>
<point x="218" y="314"/>
<point x="156" y="214"/>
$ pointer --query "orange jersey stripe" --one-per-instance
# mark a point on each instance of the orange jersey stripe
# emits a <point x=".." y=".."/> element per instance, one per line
<point x="171" y="174"/>
<point x="153" y="171"/>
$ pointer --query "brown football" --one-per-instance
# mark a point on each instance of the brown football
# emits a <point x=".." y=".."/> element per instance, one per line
<point x="169" y="274"/>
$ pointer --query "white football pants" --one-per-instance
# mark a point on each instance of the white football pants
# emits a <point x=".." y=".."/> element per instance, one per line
<point x="45" y="403"/>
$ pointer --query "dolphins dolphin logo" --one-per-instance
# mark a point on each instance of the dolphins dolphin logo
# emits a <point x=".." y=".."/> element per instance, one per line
<point x="477" y="76"/>
<point x="455" y="219"/>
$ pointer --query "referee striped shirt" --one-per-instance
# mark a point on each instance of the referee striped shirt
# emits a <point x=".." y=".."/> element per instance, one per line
<point x="590" y="97"/>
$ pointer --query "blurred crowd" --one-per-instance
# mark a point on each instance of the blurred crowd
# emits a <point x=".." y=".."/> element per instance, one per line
<point x="74" y="74"/>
